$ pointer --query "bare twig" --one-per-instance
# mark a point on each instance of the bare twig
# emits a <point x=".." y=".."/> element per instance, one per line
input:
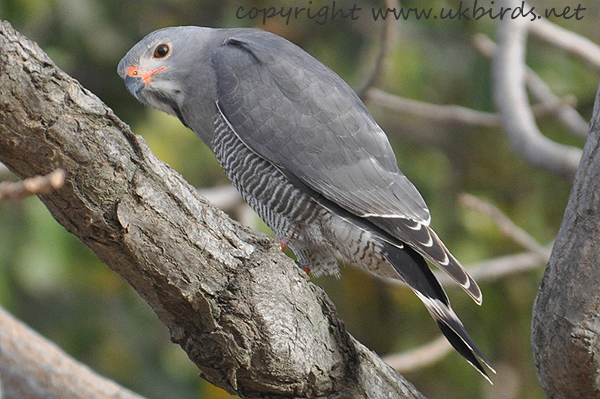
<point x="568" y="115"/>
<point x="419" y="357"/>
<point x="446" y="113"/>
<point x="491" y="269"/>
<point x="567" y="40"/>
<point x="497" y="268"/>
<point x="506" y="225"/>
<point x="387" y="39"/>
<point x="15" y="191"/>
<point x="512" y="102"/>
<point x="563" y="109"/>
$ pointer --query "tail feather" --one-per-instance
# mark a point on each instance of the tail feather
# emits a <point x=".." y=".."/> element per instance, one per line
<point x="426" y="242"/>
<point x="465" y="350"/>
<point x="414" y="271"/>
<point x="455" y="332"/>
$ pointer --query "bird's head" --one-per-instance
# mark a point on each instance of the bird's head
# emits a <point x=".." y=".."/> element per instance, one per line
<point x="156" y="69"/>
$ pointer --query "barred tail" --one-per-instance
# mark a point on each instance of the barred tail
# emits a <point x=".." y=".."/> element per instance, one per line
<point x="415" y="272"/>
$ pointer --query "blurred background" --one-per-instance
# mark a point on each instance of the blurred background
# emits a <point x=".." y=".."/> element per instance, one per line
<point x="57" y="286"/>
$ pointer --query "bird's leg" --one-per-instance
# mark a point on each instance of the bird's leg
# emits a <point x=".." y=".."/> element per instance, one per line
<point x="283" y="242"/>
<point x="305" y="268"/>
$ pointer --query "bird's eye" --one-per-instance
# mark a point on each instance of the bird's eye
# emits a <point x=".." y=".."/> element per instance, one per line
<point x="161" y="51"/>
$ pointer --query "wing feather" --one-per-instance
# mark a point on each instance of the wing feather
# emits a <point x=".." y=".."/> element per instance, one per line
<point x="298" y="114"/>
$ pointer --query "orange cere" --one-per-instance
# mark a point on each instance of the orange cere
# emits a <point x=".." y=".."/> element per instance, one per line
<point x="135" y="72"/>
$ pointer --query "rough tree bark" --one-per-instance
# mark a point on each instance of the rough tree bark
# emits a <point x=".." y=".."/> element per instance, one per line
<point x="566" y="317"/>
<point x="244" y="313"/>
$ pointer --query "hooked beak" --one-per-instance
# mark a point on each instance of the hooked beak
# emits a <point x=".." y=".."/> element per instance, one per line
<point x="135" y="81"/>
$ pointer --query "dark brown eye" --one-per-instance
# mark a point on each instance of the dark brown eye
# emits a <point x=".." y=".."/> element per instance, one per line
<point x="161" y="51"/>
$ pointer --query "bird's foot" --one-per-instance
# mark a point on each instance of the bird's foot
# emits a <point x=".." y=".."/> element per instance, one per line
<point x="305" y="268"/>
<point x="283" y="242"/>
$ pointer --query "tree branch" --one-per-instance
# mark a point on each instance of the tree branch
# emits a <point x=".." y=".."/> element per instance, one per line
<point x="33" y="367"/>
<point x="507" y="226"/>
<point x="563" y="110"/>
<point x="452" y="113"/>
<point x="512" y="103"/>
<point x="567" y="40"/>
<point x="243" y="312"/>
<point x="566" y="323"/>
<point x="443" y="113"/>
<point x="421" y="356"/>
<point x="387" y="39"/>
<point x="15" y="191"/>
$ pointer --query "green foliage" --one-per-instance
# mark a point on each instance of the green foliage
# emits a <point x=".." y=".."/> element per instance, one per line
<point x="57" y="286"/>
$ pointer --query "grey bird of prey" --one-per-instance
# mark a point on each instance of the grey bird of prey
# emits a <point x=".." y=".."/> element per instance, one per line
<point x="305" y="153"/>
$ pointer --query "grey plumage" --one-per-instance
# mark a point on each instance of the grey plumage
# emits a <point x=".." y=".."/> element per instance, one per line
<point x="305" y="153"/>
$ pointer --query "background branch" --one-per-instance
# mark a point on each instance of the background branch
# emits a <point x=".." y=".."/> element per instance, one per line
<point x="567" y="40"/>
<point x="563" y="110"/>
<point x="508" y="227"/>
<point x="512" y="102"/>
<point x="33" y="185"/>
<point x="388" y="35"/>
<point x="242" y="311"/>
<point x="421" y="356"/>
<point x="35" y="368"/>
<point x="443" y="113"/>
<point x="465" y="115"/>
